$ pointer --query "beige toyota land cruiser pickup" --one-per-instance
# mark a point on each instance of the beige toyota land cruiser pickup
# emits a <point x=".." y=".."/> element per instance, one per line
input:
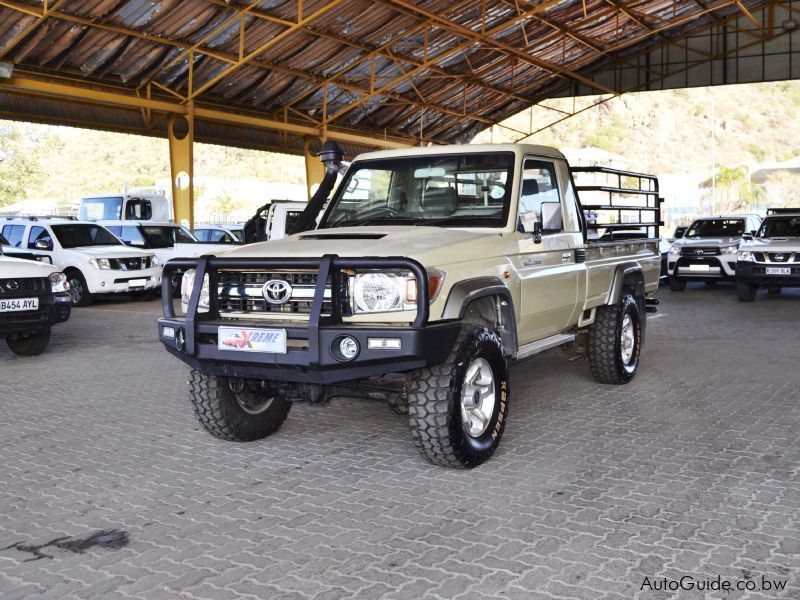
<point x="430" y="270"/>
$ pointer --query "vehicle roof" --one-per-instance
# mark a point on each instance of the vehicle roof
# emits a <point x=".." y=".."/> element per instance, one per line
<point x="714" y="217"/>
<point x="783" y="214"/>
<point x="45" y="220"/>
<point x="126" y="195"/>
<point x="135" y="222"/>
<point x="463" y="149"/>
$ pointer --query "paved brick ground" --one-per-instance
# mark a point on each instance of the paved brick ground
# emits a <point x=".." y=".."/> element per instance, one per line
<point x="109" y="490"/>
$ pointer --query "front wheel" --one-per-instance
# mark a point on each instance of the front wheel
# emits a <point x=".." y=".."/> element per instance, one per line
<point x="32" y="344"/>
<point x="78" y="290"/>
<point x="615" y="341"/>
<point x="458" y="410"/>
<point x="237" y="410"/>
<point x="745" y="291"/>
<point x="676" y="285"/>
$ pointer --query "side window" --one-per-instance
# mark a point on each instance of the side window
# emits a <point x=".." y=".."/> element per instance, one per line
<point x="115" y="229"/>
<point x="132" y="236"/>
<point x="217" y="236"/>
<point x="39" y="233"/>
<point x="539" y="198"/>
<point x="14" y="233"/>
<point x="138" y="209"/>
<point x="202" y="234"/>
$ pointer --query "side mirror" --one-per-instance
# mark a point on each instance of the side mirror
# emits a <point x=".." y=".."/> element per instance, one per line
<point x="43" y="245"/>
<point x="747" y="237"/>
<point x="552" y="219"/>
<point x="753" y="233"/>
<point x="537" y="232"/>
<point x="679" y="231"/>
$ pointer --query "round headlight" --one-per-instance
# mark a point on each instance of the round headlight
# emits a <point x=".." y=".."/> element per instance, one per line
<point x="378" y="292"/>
<point x="345" y="348"/>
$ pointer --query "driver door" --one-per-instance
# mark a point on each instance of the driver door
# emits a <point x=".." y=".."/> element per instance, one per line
<point x="547" y="268"/>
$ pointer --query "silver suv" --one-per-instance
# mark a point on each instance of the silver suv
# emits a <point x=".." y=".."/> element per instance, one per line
<point x="771" y="258"/>
<point x="707" y="251"/>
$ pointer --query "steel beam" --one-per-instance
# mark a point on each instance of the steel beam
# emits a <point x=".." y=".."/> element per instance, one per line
<point x="180" y="132"/>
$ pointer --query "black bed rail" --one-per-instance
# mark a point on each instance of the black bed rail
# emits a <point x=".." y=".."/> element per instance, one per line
<point x="614" y="199"/>
<point x="329" y="268"/>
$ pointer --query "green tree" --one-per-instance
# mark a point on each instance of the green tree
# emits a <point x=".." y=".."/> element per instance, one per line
<point x="19" y="166"/>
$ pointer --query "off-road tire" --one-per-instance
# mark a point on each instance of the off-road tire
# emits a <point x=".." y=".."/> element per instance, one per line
<point x="434" y="403"/>
<point x="746" y="291"/>
<point x="676" y="285"/>
<point x="605" y="341"/>
<point x="219" y="412"/>
<point x="78" y="281"/>
<point x="31" y="345"/>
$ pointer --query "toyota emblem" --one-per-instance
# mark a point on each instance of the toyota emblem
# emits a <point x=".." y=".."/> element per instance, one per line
<point x="277" y="291"/>
<point x="699" y="252"/>
<point x="12" y="285"/>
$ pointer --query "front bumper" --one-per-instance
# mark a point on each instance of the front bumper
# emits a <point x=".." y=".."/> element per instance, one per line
<point x="113" y="281"/>
<point x="309" y="357"/>
<point x="710" y="267"/>
<point x="756" y="273"/>
<point x="53" y="309"/>
<point x="314" y="361"/>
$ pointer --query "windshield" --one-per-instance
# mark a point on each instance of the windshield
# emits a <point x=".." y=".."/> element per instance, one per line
<point x="95" y="209"/>
<point x="465" y="190"/>
<point x="780" y="227"/>
<point x="166" y="237"/>
<point x="707" y="228"/>
<point x="81" y="234"/>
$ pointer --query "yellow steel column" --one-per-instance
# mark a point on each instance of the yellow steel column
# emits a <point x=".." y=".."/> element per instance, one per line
<point x="315" y="170"/>
<point x="181" y="163"/>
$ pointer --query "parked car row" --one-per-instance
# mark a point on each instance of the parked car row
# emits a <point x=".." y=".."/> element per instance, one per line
<point x="745" y="249"/>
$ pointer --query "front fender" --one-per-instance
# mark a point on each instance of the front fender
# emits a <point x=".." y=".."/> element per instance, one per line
<point x="465" y="292"/>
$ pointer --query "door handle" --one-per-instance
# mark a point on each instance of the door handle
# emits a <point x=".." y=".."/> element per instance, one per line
<point x="566" y="256"/>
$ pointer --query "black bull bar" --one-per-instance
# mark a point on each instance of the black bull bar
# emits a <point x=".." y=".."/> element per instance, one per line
<point x="423" y="344"/>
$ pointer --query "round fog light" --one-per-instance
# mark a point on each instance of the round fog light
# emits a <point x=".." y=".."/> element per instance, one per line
<point x="347" y="348"/>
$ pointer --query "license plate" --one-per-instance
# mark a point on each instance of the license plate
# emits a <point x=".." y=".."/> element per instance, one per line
<point x="779" y="270"/>
<point x="704" y="268"/>
<point x="19" y="304"/>
<point x="240" y="339"/>
<point x="137" y="283"/>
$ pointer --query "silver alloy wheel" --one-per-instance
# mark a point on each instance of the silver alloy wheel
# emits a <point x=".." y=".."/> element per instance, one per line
<point x="75" y="289"/>
<point x="478" y="397"/>
<point x="627" y="339"/>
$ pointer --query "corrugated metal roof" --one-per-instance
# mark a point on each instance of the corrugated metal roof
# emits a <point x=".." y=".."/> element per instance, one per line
<point x="433" y="69"/>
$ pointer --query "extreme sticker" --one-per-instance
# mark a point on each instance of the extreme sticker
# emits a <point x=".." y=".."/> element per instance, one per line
<point x="272" y="341"/>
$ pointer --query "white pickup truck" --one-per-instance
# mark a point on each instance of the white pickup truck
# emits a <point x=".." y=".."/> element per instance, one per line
<point x="430" y="269"/>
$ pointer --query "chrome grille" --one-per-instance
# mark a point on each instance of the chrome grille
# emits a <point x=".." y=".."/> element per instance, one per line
<point x="22" y="286"/>
<point x="700" y="251"/>
<point x="243" y="292"/>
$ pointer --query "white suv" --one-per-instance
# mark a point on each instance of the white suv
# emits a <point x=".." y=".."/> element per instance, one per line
<point x="707" y="251"/>
<point x="94" y="261"/>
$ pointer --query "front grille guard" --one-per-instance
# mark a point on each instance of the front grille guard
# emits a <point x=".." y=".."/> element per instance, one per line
<point x="328" y="267"/>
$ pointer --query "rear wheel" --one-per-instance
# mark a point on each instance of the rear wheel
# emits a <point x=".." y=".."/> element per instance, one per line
<point x="81" y="296"/>
<point x="615" y="341"/>
<point x="239" y="410"/>
<point x="745" y="291"/>
<point x="675" y="284"/>
<point x="458" y="410"/>
<point x="31" y="344"/>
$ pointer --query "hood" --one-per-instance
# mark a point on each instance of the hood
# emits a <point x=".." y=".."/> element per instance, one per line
<point x="428" y="245"/>
<point x="111" y="251"/>
<point x="187" y="250"/>
<point x="709" y="241"/>
<point x="20" y="267"/>
<point x="787" y="245"/>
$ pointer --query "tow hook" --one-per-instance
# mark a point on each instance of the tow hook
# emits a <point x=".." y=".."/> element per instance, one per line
<point x="651" y="304"/>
